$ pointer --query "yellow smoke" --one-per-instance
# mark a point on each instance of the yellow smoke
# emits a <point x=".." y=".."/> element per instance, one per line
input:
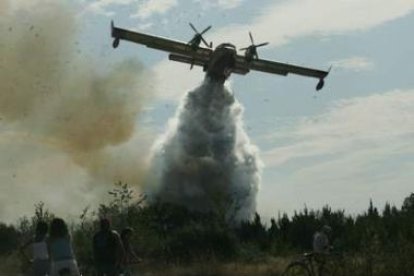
<point x="60" y="105"/>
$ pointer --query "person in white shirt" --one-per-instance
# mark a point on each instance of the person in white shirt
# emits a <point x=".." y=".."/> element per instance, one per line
<point x="321" y="240"/>
<point x="62" y="258"/>
<point x="321" y="247"/>
<point x="39" y="250"/>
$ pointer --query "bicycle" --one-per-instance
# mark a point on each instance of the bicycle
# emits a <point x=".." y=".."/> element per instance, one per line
<point x="316" y="264"/>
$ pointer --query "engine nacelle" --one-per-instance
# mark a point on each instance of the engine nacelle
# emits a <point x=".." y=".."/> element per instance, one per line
<point x="320" y="84"/>
<point x="115" y="44"/>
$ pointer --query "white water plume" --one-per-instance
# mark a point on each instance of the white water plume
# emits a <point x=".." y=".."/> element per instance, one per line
<point x="205" y="160"/>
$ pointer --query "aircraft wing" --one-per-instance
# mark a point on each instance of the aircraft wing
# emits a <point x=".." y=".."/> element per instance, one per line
<point x="160" y="43"/>
<point x="283" y="69"/>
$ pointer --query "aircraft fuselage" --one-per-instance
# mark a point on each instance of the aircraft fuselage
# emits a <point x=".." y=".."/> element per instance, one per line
<point x="222" y="62"/>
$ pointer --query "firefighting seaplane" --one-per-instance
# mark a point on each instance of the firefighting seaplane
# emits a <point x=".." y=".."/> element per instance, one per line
<point x="220" y="62"/>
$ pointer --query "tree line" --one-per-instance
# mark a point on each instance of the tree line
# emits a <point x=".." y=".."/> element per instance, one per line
<point x="379" y="239"/>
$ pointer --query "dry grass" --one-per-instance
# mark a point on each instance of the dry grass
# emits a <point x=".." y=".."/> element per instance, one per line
<point x="354" y="265"/>
<point x="10" y="265"/>
<point x="271" y="266"/>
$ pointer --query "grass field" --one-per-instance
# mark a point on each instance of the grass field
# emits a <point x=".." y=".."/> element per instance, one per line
<point x="272" y="266"/>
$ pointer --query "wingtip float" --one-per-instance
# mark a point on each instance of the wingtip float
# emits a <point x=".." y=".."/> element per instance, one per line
<point x="220" y="62"/>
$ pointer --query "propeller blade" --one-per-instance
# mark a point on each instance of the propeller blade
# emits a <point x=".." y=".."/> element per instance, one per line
<point x="262" y="44"/>
<point x="244" y="49"/>
<point x="192" y="27"/>
<point x="251" y="38"/>
<point x="191" y="42"/>
<point x="205" y="42"/>
<point x="206" y="29"/>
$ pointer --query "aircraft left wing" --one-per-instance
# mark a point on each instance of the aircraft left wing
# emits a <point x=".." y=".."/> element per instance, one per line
<point x="283" y="69"/>
<point x="160" y="43"/>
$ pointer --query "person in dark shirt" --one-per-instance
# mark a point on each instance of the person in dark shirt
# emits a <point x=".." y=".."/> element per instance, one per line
<point x="108" y="250"/>
<point x="130" y="255"/>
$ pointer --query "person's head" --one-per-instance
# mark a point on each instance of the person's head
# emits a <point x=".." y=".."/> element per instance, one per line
<point x="41" y="230"/>
<point x="58" y="228"/>
<point x="105" y="224"/>
<point x="126" y="233"/>
<point x="326" y="229"/>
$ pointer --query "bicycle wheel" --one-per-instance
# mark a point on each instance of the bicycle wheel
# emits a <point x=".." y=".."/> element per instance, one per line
<point x="297" y="269"/>
<point x="335" y="267"/>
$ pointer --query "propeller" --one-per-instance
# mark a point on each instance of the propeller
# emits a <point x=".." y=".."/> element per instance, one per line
<point x="253" y="46"/>
<point x="200" y="34"/>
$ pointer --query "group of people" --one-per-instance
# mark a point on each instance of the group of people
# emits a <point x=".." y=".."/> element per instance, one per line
<point x="113" y="252"/>
<point x="52" y="253"/>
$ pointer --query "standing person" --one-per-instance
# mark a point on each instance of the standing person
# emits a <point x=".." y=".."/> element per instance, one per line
<point x="321" y="240"/>
<point x="39" y="251"/>
<point x="321" y="247"/>
<point x="130" y="256"/>
<point x="107" y="250"/>
<point x="61" y="253"/>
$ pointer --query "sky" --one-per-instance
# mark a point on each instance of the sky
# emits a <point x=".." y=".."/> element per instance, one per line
<point x="342" y="146"/>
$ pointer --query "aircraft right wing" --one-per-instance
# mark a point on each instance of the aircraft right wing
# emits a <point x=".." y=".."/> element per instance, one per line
<point x="160" y="43"/>
<point x="283" y="69"/>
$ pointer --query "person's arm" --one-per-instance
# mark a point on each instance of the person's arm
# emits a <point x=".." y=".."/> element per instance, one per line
<point x="120" y="249"/>
<point x="49" y="248"/>
<point x="135" y="256"/>
<point x="23" y="248"/>
<point x="132" y="253"/>
<point x="94" y="248"/>
<point x="326" y="246"/>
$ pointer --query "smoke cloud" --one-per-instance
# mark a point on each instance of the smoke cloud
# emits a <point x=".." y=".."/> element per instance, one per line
<point x="205" y="160"/>
<point x="66" y="128"/>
